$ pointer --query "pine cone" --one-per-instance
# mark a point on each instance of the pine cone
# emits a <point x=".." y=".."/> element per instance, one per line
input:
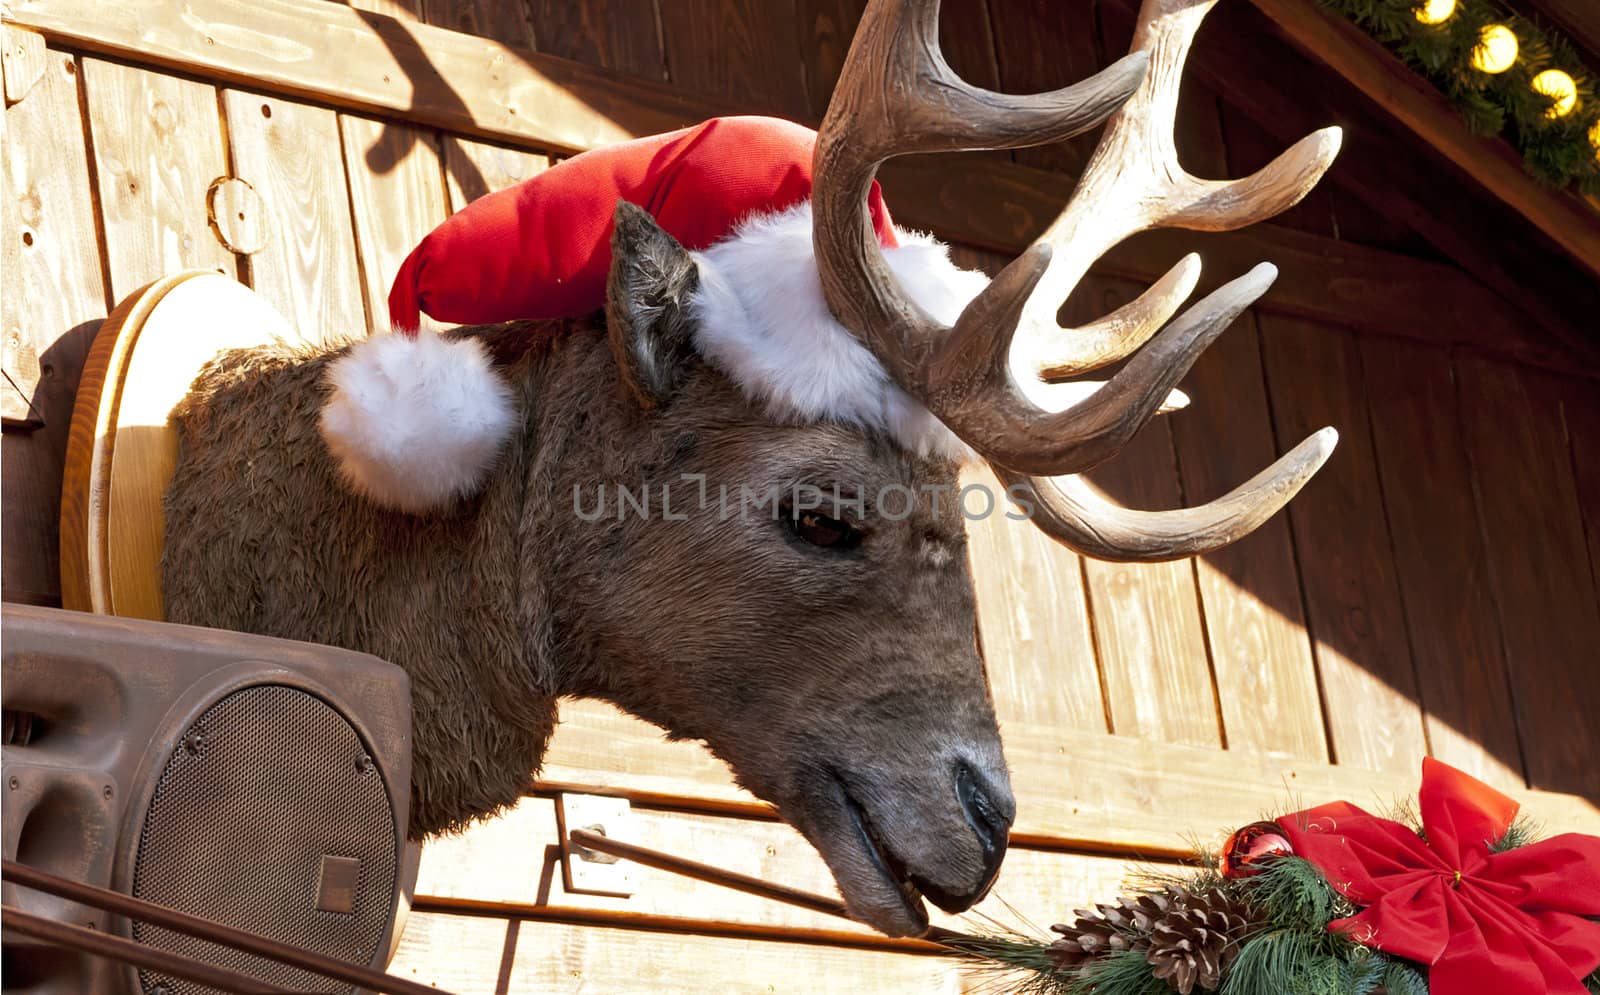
<point x="1193" y="944"/>
<point x="1107" y="929"/>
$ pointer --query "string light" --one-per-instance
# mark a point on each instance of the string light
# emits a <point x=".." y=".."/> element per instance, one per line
<point x="1559" y="87"/>
<point x="1594" y="140"/>
<point x="1496" y="51"/>
<point x="1435" y="11"/>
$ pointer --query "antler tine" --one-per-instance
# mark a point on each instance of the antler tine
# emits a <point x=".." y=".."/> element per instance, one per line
<point x="1134" y="182"/>
<point x="897" y="95"/>
<point x="1070" y="512"/>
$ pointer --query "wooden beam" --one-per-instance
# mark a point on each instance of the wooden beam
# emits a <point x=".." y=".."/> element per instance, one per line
<point x="1413" y="101"/>
<point x="1002" y="206"/>
<point x="1089" y="792"/>
<point x="364" y="61"/>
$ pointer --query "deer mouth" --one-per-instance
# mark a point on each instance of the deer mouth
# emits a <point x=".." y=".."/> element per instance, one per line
<point x="888" y="865"/>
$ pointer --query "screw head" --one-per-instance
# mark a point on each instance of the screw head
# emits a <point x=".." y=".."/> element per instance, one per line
<point x="108" y="791"/>
<point x="15" y="784"/>
<point x="365" y="764"/>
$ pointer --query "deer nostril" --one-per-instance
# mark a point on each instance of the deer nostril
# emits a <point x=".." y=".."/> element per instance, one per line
<point x="989" y="822"/>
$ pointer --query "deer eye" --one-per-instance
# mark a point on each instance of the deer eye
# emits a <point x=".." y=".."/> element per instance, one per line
<point x="822" y="531"/>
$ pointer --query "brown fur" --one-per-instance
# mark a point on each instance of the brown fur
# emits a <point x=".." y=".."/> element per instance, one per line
<point x="815" y="673"/>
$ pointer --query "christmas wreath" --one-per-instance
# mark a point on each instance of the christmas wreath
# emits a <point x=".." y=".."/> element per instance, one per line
<point x="1336" y="901"/>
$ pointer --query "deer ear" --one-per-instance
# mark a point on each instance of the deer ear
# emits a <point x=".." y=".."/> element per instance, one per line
<point x="647" y="305"/>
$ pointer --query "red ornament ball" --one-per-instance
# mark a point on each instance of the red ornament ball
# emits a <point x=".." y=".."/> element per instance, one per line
<point x="1248" y="848"/>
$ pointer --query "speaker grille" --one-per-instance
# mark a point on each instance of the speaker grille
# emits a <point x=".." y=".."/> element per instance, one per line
<point x="263" y="793"/>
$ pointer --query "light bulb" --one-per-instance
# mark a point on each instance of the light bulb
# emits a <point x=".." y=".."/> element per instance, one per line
<point x="1435" y="11"/>
<point x="1496" y="51"/>
<point x="1559" y="87"/>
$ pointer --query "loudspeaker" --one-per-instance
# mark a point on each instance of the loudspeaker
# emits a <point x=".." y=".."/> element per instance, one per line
<point x="262" y="783"/>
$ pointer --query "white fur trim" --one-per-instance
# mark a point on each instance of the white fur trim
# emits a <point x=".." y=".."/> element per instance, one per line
<point x="416" y="422"/>
<point x="761" y="318"/>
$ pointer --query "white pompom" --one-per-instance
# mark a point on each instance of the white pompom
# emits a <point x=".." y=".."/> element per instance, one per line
<point x="416" y="423"/>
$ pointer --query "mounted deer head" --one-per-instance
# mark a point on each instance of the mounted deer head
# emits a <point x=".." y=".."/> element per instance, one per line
<point x="826" y="651"/>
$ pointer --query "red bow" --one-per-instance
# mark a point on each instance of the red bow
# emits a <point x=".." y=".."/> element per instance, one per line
<point x="1487" y="923"/>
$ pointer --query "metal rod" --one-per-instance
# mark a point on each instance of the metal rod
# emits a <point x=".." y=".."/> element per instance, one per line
<point x="732" y="879"/>
<point x="99" y="944"/>
<point x="183" y="922"/>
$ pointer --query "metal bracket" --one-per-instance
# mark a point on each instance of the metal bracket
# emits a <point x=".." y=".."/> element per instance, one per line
<point x="585" y="871"/>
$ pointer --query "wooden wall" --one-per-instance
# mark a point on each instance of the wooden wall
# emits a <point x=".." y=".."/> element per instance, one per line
<point x="1432" y="591"/>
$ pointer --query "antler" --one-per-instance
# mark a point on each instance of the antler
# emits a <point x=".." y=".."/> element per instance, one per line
<point x="897" y="95"/>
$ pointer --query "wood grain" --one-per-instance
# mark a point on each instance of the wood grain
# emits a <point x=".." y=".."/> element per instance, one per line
<point x="362" y="61"/>
<point x="514" y="859"/>
<point x="124" y="448"/>
<point x="504" y="21"/>
<point x="1033" y="619"/>
<point x="739" y="50"/>
<point x="290" y="154"/>
<point x="611" y="34"/>
<point x="157" y="147"/>
<point x="1048" y="45"/>
<point x="1544" y="587"/>
<point x="24" y="58"/>
<point x="1581" y="411"/>
<point x="1147" y="622"/>
<point x="396" y="198"/>
<point x="51" y="299"/>
<point x="481" y="955"/>
<point x="1440" y="560"/>
<point x="1345" y="555"/>
<point x="1255" y="623"/>
<point x="1080" y="790"/>
<point x="473" y="169"/>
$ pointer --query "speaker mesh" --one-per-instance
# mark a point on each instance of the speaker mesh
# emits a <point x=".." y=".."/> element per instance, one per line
<point x="267" y="783"/>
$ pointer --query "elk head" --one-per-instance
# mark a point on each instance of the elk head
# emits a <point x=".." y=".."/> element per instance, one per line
<point x="819" y="635"/>
<point x="857" y="701"/>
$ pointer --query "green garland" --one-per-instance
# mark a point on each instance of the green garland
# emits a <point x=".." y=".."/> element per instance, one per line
<point x="1283" y="946"/>
<point x="1559" y="151"/>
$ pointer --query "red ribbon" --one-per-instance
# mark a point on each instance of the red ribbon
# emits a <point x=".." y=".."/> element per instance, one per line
<point x="1487" y="923"/>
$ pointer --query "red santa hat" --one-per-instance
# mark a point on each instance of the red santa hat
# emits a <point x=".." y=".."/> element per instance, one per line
<point x="415" y="421"/>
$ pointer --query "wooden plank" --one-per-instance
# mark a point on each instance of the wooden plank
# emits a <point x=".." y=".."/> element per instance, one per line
<point x="613" y="34"/>
<point x="1415" y="103"/>
<point x="1048" y="45"/>
<point x="396" y="198"/>
<point x="366" y="62"/>
<point x="504" y="21"/>
<point x="473" y="169"/>
<point x="52" y="298"/>
<point x="472" y="955"/>
<point x="742" y="50"/>
<point x="1440" y="560"/>
<point x="23" y="56"/>
<point x="1082" y="790"/>
<point x="1033" y="620"/>
<point x="158" y="145"/>
<point x="827" y="26"/>
<point x="1255" y="622"/>
<point x="389" y="8"/>
<point x="1544" y="587"/>
<point x="1261" y="660"/>
<point x="1345" y="555"/>
<point x="1147" y="624"/>
<point x="514" y="859"/>
<point x="1581" y="412"/>
<point x="290" y="153"/>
